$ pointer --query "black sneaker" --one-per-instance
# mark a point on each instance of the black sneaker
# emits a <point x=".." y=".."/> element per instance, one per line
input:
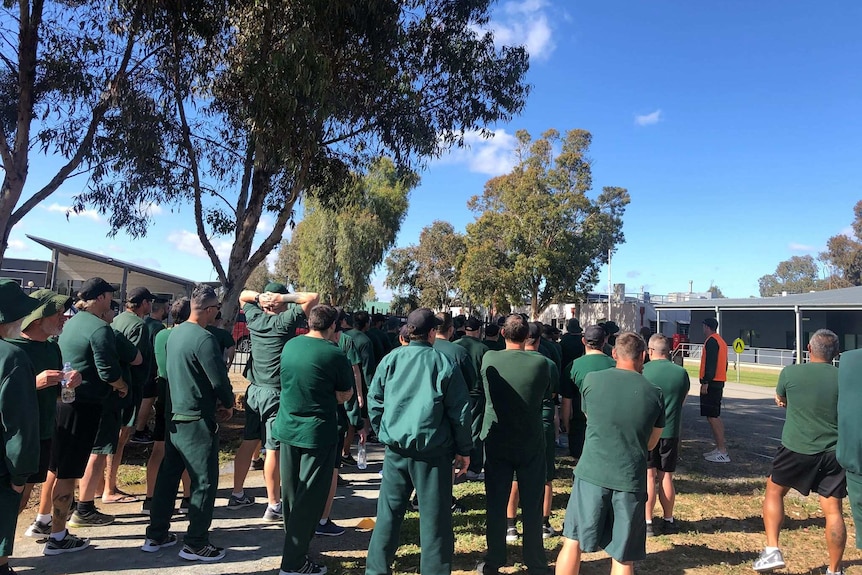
<point x="669" y="527"/>
<point x="649" y="530"/>
<point x="153" y="545"/>
<point x="457" y="507"/>
<point x="38" y="529"/>
<point x="512" y="534"/>
<point x="141" y="437"/>
<point x="329" y="529"/>
<point x="257" y="464"/>
<point x="68" y="544"/>
<point x="348" y="460"/>
<point x="239" y="502"/>
<point x="185" y="502"/>
<point x="308" y="568"/>
<point x="91" y="519"/>
<point x="548" y="531"/>
<point x="206" y="553"/>
<point x="146" y="505"/>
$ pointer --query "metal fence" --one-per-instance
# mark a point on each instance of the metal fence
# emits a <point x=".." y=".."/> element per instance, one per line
<point x="751" y="357"/>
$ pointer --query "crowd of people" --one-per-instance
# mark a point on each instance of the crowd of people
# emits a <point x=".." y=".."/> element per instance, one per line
<point x="446" y="397"/>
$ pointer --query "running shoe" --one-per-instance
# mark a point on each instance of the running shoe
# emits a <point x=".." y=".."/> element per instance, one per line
<point x="718" y="457"/>
<point x="512" y="534"/>
<point x="769" y="561"/>
<point x="548" y="531"/>
<point x="239" y="502"/>
<point x="206" y="553"/>
<point x="38" y="529"/>
<point x="141" y="437"/>
<point x="68" y="544"/>
<point x="153" y="545"/>
<point x="328" y="529"/>
<point x="91" y="519"/>
<point x="308" y="568"/>
<point x="273" y="515"/>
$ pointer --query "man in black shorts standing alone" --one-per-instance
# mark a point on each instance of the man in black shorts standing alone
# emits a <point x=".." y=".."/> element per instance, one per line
<point x="713" y="374"/>
<point x="806" y="459"/>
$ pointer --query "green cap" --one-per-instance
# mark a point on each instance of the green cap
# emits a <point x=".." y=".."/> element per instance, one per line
<point x="275" y="287"/>
<point x="49" y="304"/>
<point x="14" y="303"/>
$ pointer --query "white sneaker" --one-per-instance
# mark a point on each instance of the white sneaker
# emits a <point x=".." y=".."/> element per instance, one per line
<point x="769" y="561"/>
<point x="711" y="452"/>
<point x="718" y="457"/>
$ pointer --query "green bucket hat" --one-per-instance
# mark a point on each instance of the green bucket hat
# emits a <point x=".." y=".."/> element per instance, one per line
<point x="14" y="303"/>
<point x="275" y="287"/>
<point x="49" y="304"/>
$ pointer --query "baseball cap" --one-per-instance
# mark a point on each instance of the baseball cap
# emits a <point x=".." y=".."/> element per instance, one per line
<point x="49" y="304"/>
<point x="472" y="324"/>
<point x="139" y="294"/>
<point x="14" y="303"/>
<point x="275" y="287"/>
<point x="422" y="321"/>
<point x="595" y="334"/>
<point x="711" y="322"/>
<point x="94" y="287"/>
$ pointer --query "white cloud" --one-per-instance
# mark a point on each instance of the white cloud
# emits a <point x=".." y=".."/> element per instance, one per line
<point x="265" y="224"/>
<point x="188" y="242"/>
<point x="491" y="156"/>
<point x="151" y="209"/>
<point x="795" y="247"/>
<point x="848" y="231"/>
<point x="67" y="211"/>
<point x="649" y="119"/>
<point x="17" y="245"/>
<point x="524" y="23"/>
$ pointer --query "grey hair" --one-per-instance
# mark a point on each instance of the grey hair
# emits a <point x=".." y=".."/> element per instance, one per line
<point x="202" y="296"/>
<point x="660" y="344"/>
<point x="824" y="344"/>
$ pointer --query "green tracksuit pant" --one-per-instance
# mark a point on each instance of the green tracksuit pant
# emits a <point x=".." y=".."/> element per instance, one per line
<point x="9" y="502"/>
<point x="191" y="445"/>
<point x="433" y="482"/>
<point x="306" y="476"/>
<point x="477" y="415"/>
<point x="500" y="468"/>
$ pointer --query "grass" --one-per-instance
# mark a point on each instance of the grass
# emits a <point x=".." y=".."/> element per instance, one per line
<point x="760" y="378"/>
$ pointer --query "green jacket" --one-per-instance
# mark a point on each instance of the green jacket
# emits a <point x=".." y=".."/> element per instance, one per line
<point x="19" y="416"/>
<point x="197" y="375"/>
<point x="458" y="355"/>
<point x="475" y="351"/>
<point x="419" y="405"/>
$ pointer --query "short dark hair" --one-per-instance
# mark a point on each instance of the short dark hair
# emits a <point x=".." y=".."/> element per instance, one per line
<point x="321" y="317"/>
<point x="630" y="345"/>
<point x="491" y="330"/>
<point x="181" y="310"/>
<point x="516" y="328"/>
<point x="360" y="320"/>
<point x="445" y="321"/>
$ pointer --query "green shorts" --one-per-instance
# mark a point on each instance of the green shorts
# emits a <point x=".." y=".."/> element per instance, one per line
<point x="854" y="495"/>
<point x="550" y="453"/>
<point x="108" y="435"/>
<point x="601" y="518"/>
<point x="261" y="408"/>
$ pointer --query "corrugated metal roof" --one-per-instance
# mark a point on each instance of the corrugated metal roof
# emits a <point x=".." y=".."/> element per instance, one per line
<point x="51" y="245"/>
<point x="837" y="299"/>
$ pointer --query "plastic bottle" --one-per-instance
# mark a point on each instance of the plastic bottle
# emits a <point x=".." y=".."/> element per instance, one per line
<point x="362" y="458"/>
<point x="67" y="394"/>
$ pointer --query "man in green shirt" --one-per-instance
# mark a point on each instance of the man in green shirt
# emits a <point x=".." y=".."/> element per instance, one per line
<point x="378" y="338"/>
<point x="476" y="350"/>
<point x="849" y="448"/>
<point x="420" y="409"/>
<point x="516" y="384"/>
<point x="225" y="339"/>
<point x="365" y="348"/>
<point x="315" y="378"/>
<point x="806" y="459"/>
<point x="594" y="359"/>
<point x="674" y="383"/>
<point x="272" y="318"/>
<point x="19" y="429"/>
<point x="201" y="396"/>
<point x="625" y="417"/>
<point x="154" y="323"/>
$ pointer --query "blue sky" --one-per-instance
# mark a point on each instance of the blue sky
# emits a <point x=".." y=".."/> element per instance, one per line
<point x="736" y="127"/>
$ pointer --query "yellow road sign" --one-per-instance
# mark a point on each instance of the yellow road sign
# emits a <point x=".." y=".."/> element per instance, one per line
<point x="738" y="345"/>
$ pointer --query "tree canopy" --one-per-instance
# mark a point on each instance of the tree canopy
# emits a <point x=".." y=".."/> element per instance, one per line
<point x="843" y="255"/>
<point x="334" y="251"/>
<point x="799" y="274"/>
<point x="539" y="236"/>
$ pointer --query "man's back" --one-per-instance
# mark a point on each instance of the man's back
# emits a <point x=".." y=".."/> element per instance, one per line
<point x="197" y="375"/>
<point x="622" y="408"/>
<point x="674" y="383"/>
<point x="365" y="349"/>
<point x="476" y="350"/>
<point x="269" y="333"/>
<point x="88" y="344"/>
<point x="811" y="421"/>
<point x="587" y="364"/>
<point x="458" y="355"/>
<point x="573" y="347"/>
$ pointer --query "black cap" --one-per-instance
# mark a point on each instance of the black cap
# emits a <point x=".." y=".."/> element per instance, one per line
<point x="139" y="294"/>
<point x="472" y="324"/>
<point x="93" y="288"/>
<point x="421" y="321"/>
<point x="159" y="299"/>
<point x="595" y="334"/>
<point x="711" y="323"/>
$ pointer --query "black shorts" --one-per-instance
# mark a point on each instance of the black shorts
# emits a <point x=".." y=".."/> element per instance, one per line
<point x="665" y="455"/>
<point x="44" y="459"/>
<point x="77" y="424"/>
<point x="710" y="402"/>
<point x="160" y="425"/>
<point x="806" y="473"/>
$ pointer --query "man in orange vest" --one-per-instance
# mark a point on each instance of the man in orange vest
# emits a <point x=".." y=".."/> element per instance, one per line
<point x="713" y="374"/>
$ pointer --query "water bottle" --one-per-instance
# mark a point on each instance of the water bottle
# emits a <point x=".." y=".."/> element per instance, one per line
<point x="67" y="394"/>
<point x="362" y="458"/>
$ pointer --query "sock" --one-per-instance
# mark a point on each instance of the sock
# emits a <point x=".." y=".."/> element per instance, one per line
<point x="239" y="494"/>
<point x="668" y="519"/>
<point x="276" y="507"/>
<point x="649" y="522"/>
<point x="324" y="521"/>
<point x="510" y="522"/>
<point x="59" y="536"/>
<point x="770" y="549"/>
<point x="86" y="506"/>
<point x="546" y="520"/>
<point x="41" y="518"/>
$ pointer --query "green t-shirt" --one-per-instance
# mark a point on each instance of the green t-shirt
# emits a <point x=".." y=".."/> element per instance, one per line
<point x="345" y="343"/>
<point x="548" y="406"/>
<point x="476" y="350"/>
<point x="197" y="375"/>
<point x="811" y="422"/>
<point x="89" y="345"/>
<point x="516" y="383"/>
<point x="19" y="430"/>
<point x="135" y="330"/>
<point x="44" y="355"/>
<point x="365" y="349"/>
<point x="674" y="383"/>
<point x="622" y="408"/>
<point x="312" y="370"/>
<point x="418" y="403"/>
<point x="580" y="368"/>
<point x="269" y="333"/>
<point x="458" y="355"/>
<point x="154" y="326"/>
<point x="126" y="353"/>
<point x="160" y="352"/>
<point x="849" y="450"/>
<point x="223" y="336"/>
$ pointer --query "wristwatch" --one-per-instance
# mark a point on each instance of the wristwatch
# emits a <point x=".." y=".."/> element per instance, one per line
<point x="257" y="299"/>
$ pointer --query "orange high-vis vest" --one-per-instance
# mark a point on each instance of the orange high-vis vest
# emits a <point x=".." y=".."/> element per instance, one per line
<point x="720" y="364"/>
